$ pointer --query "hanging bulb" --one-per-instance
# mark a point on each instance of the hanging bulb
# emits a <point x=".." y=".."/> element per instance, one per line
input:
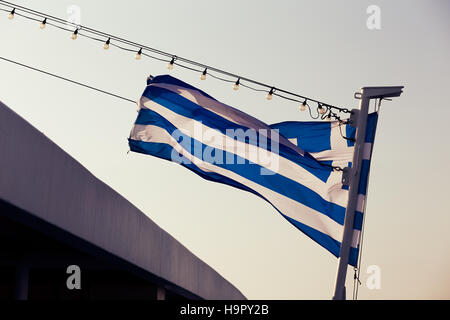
<point x="236" y="85"/>
<point x="203" y="76"/>
<point x="170" y="66"/>
<point x="106" y="44"/>
<point x="75" y="34"/>
<point x="139" y="54"/>
<point x="11" y="14"/>
<point x="322" y="110"/>
<point x="269" y="95"/>
<point x="303" y="106"/>
<point x="329" y="117"/>
<point x="43" y="24"/>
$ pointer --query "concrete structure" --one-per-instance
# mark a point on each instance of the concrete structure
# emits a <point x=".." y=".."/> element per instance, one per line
<point x="54" y="213"/>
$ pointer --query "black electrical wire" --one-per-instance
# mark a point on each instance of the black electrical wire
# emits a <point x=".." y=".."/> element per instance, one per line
<point x="186" y="67"/>
<point x="251" y="88"/>
<point x="222" y="79"/>
<point x="68" y="80"/>
<point x="159" y="52"/>
<point x="24" y="16"/>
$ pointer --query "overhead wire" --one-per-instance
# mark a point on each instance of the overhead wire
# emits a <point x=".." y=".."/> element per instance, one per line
<point x="68" y="80"/>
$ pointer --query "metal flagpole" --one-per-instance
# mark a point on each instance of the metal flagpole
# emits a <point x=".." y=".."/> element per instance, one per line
<point x="352" y="175"/>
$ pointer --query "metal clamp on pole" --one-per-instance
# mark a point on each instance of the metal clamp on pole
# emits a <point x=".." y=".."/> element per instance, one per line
<point x="353" y="121"/>
<point x="346" y="174"/>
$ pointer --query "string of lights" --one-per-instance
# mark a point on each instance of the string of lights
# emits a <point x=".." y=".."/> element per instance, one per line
<point x="324" y="110"/>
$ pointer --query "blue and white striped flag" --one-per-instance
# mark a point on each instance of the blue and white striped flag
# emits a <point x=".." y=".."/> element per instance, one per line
<point x="288" y="164"/>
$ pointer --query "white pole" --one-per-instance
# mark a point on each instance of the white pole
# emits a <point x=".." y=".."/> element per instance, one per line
<point x="360" y="119"/>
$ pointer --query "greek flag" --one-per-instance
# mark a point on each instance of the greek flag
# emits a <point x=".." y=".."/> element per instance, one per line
<point x="288" y="164"/>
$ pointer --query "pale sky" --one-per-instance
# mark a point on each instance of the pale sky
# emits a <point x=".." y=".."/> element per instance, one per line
<point x="321" y="49"/>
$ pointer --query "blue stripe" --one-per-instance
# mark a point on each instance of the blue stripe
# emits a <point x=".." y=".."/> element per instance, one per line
<point x="350" y="133"/>
<point x="372" y="120"/>
<point x="353" y="256"/>
<point x="365" y="167"/>
<point x="326" y="241"/>
<point x="357" y="223"/>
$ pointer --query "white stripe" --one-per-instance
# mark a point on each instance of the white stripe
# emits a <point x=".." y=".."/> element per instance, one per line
<point x="343" y="153"/>
<point x="331" y="190"/>
<point x="287" y="206"/>
<point x="336" y="141"/>
<point x="355" y="239"/>
<point x="367" y="150"/>
<point x="360" y="202"/>
<point x="343" y="156"/>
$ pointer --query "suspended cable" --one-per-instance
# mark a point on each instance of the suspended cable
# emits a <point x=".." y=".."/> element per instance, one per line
<point x="141" y="50"/>
<point x="68" y="80"/>
<point x="251" y="88"/>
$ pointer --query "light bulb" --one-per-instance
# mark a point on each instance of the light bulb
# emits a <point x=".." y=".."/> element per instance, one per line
<point x="170" y="65"/>
<point x="329" y="117"/>
<point x="106" y="44"/>
<point x="43" y="24"/>
<point x="11" y="14"/>
<point x="75" y="34"/>
<point x="322" y="110"/>
<point x="203" y="76"/>
<point x="269" y="95"/>
<point x="139" y="54"/>
<point x="303" y="106"/>
<point x="236" y="85"/>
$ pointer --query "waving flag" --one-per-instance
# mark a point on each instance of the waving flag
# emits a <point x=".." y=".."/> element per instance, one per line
<point x="288" y="164"/>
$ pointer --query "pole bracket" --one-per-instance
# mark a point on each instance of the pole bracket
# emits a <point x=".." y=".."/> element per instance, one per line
<point x="354" y="115"/>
